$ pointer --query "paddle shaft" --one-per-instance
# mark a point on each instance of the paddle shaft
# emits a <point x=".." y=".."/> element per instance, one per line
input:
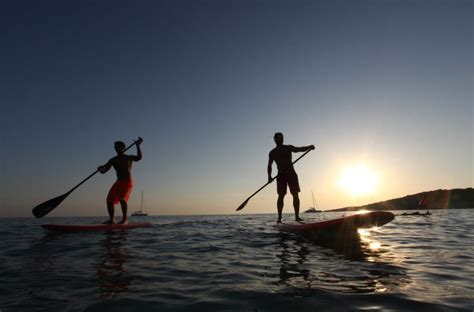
<point x="280" y="173"/>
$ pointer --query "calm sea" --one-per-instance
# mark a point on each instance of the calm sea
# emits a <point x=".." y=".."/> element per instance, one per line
<point x="238" y="263"/>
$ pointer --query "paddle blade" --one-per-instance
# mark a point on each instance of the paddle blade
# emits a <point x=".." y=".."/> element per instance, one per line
<point x="44" y="208"/>
<point x="242" y="205"/>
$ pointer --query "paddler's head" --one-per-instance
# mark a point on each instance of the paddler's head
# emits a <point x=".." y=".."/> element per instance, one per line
<point x="278" y="137"/>
<point x="119" y="147"/>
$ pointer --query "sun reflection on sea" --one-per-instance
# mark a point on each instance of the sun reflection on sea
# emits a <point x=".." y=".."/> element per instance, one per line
<point x="370" y="242"/>
<point x="373" y="253"/>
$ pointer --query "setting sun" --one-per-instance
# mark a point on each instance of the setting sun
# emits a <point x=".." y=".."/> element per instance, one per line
<point x="358" y="180"/>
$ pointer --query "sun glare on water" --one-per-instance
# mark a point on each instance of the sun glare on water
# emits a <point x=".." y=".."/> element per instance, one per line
<point x="358" y="180"/>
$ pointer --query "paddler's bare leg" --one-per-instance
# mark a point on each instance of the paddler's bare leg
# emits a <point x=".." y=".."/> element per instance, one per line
<point x="280" y="202"/>
<point x="124" y="206"/>
<point x="296" y="205"/>
<point x="111" y="211"/>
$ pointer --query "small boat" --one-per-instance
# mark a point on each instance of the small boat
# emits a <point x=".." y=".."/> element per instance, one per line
<point x="416" y="213"/>
<point x="140" y="213"/>
<point x="312" y="209"/>
<point x="424" y="203"/>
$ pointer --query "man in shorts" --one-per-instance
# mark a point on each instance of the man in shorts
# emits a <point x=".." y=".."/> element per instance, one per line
<point x="287" y="176"/>
<point x="120" y="191"/>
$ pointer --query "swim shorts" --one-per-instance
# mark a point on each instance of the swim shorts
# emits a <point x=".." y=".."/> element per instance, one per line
<point x="120" y="191"/>
<point x="289" y="179"/>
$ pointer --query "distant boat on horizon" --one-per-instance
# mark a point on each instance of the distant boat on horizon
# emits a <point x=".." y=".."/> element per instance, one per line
<point x="312" y="209"/>
<point x="427" y="213"/>
<point x="140" y="213"/>
<point x="424" y="202"/>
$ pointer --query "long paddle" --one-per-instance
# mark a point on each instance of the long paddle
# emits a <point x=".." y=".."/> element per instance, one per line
<point x="247" y="200"/>
<point x="44" y="208"/>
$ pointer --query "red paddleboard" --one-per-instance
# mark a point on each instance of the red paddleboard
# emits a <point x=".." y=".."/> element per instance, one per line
<point x="93" y="227"/>
<point x="350" y="223"/>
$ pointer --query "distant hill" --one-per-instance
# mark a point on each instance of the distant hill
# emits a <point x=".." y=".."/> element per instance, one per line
<point x="439" y="199"/>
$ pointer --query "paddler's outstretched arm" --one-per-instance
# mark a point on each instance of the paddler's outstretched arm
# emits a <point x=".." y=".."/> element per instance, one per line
<point x="103" y="169"/>
<point x="303" y="148"/>
<point x="139" y="150"/>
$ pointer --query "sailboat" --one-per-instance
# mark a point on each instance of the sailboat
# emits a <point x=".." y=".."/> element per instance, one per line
<point x="140" y="213"/>
<point x="424" y="202"/>
<point x="312" y="209"/>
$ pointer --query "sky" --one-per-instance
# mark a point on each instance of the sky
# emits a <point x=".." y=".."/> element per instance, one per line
<point x="385" y="85"/>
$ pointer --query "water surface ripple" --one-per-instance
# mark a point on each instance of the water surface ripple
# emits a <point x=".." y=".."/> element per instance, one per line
<point x="239" y="263"/>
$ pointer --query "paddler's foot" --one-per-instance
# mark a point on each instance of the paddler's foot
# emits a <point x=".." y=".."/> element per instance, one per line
<point x="109" y="222"/>
<point x="298" y="219"/>
<point x="124" y="221"/>
<point x="279" y="221"/>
